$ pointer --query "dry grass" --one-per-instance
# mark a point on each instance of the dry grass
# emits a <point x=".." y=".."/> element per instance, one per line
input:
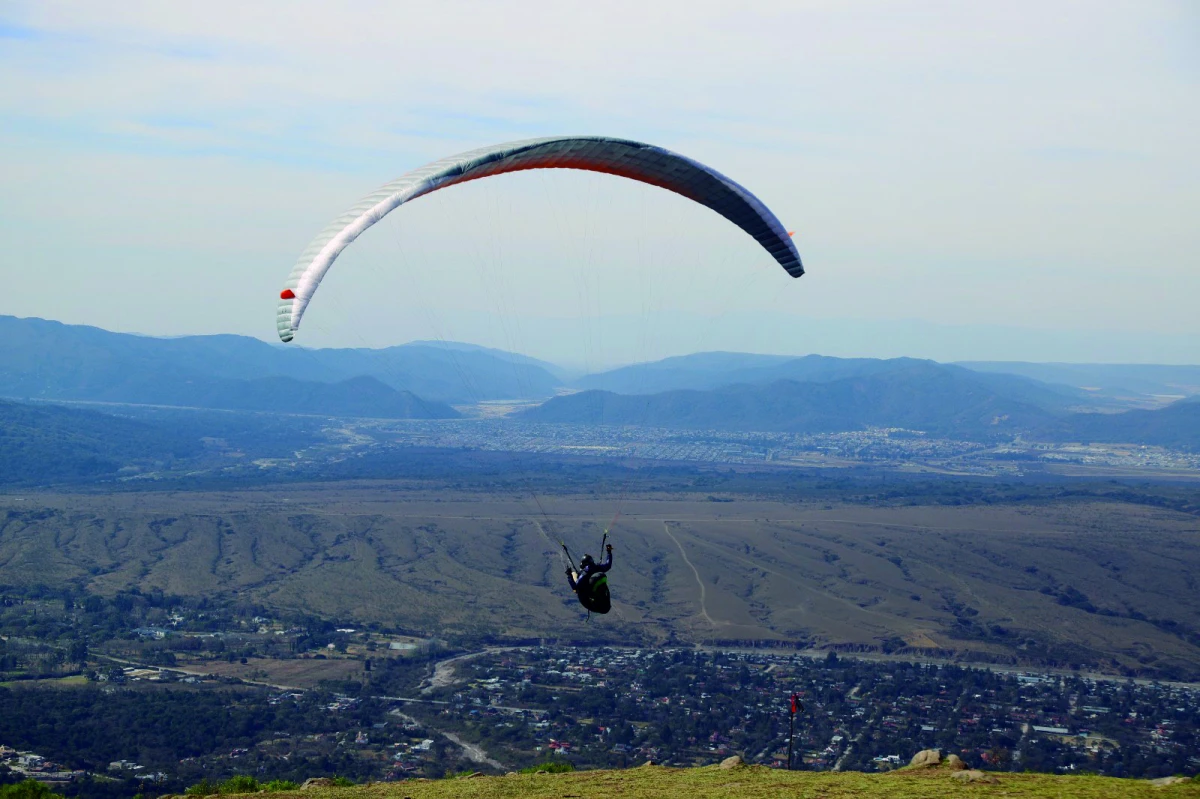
<point x="754" y="783"/>
<point x="297" y="673"/>
<point x="459" y="562"/>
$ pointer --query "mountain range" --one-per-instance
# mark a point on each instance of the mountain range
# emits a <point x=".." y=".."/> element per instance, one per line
<point x="49" y="361"/>
<point x="1136" y="383"/>
<point x="1079" y="386"/>
<point x="43" y="359"/>
<point x="919" y="395"/>
<point x="939" y="399"/>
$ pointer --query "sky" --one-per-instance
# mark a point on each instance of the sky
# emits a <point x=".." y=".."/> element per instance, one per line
<point x="974" y="181"/>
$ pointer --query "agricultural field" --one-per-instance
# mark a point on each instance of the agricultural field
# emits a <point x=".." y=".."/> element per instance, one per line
<point x="299" y="673"/>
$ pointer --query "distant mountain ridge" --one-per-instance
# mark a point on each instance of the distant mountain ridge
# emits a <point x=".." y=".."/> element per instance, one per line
<point x="504" y="355"/>
<point x="48" y="360"/>
<point x="1104" y="380"/>
<point x="701" y="370"/>
<point x="919" y="395"/>
<point x="43" y="359"/>
<point x="712" y="370"/>
<point x="939" y="399"/>
<point x="1176" y="426"/>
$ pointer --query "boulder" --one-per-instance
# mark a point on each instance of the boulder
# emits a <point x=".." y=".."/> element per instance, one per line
<point x="954" y="763"/>
<point x="316" y="782"/>
<point x="649" y="763"/>
<point x="732" y="762"/>
<point x="1163" y="782"/>
<point x="926" y="758"/>
<point x="973" y="775"/>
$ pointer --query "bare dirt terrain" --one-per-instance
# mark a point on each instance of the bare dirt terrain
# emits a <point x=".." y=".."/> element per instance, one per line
<point x="297" y="673"/>
<point x="444" y="672"/>
<point x="1095" y="582"/>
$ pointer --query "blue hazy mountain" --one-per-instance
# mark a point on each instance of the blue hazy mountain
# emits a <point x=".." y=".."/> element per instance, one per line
<point x="701" y="370"/>
<point x="1130" y="382"/>
<point x="730" y="391"/>
<point x="558" y="372"/>
<point x="943" y="400"/>
<point x="49" y="360"/>
<point x="711" y="370"/>
<point x="921" y="395"/>
<point x="1176" y="426"/>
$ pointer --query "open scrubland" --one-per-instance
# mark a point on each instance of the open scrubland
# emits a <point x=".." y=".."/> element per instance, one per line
<point x="1086" y="582"/>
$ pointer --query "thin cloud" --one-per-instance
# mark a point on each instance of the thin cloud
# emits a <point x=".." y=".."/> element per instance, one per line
<point x="1012" y="164"/>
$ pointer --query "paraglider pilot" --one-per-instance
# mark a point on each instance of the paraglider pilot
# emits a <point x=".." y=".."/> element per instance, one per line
<point x="590" y="584"/>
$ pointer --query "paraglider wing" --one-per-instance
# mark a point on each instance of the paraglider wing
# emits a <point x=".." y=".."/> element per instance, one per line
<point x="629" y="159"/>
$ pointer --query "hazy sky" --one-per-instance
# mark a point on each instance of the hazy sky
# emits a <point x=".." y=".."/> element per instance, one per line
<point x="1012" y="180"/>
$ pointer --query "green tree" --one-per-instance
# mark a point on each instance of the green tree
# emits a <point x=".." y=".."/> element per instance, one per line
<point x="280" y="785"/>
<point x="239" y="783"/>
<point x="27" y="789"/>
<point x="202" y="788"/>
<point x="78" y="651"/>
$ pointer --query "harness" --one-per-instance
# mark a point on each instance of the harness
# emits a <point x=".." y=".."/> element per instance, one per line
<point x="592" y="587"/>
<point x="593" y="594"/>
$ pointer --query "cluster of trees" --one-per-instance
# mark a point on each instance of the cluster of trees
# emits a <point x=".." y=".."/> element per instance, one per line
<point x="53" y="631"/>
<point x="88" y="728"/>
<point x="26" y="789"/>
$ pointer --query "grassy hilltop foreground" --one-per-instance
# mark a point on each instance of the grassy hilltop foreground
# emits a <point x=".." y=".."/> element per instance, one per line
<point x="753" y="782"/>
